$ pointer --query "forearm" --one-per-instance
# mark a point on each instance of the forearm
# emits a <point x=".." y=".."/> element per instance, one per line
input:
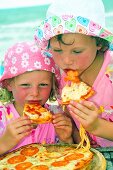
<point x="104" y="129"/>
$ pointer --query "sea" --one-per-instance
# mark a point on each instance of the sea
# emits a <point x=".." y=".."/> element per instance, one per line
<point x="19" y="24"/>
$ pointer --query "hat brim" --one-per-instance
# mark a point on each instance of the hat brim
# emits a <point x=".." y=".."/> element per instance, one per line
<point x="56" y="25"/>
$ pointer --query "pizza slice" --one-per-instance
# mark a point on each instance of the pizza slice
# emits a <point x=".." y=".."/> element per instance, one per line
<point x="37" y="113"/>
<point x="75" y="89"/>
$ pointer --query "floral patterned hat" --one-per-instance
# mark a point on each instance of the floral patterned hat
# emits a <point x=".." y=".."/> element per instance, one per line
<point x="73" y="16"/>
<point x="23" y="57"/>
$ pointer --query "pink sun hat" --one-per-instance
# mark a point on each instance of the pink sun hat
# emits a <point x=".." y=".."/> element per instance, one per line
<point x="26" y="56"/>
<point x="73" y="16"/>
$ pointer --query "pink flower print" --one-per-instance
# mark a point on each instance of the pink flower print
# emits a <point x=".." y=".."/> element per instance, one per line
<point x="58" y="30"/>
<point x="93" y="26"/>
<point x="25" y="63"/>
<point x="19" y="50"/>
<point x="34" y="48"/>
<point x="47" y="26"/>
<point x="37" y="65"/>
<point x="13" y="70"/>
<point x="10" y="54"/>
<point x="81" y="29"/>
<point x="47" y="61"/>
<point x="14" y="60"/>
<point x="25" y="56"/>
<point x="9" y="115"/>
<point x="0" y="115"/>
<point x="8" y="110"/>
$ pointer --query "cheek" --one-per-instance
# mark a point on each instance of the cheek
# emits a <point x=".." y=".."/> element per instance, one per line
<point x="85" y="61"/>
<point x="56" y="58"/>
<point x="20" y="94"/>
<point x="45" y="93"/>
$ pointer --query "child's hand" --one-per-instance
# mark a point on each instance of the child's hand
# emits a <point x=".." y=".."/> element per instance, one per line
<point x="63" y="127"/>
<point x="86" y="113"/>
<point x="15" y="131"/>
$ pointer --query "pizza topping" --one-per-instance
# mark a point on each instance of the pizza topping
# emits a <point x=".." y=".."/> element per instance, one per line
<point x="40" y="167"/>
<point x="16" y="159"/>
<point x="74" y="156"/>
<point x="29" y="151"/>
<point x="60" y="163"/>
<point x="72" y="76"/>
<point x="23" y="166"/>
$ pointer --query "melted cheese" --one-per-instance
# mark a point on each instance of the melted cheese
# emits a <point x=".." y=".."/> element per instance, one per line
<point x="74" y="92"/>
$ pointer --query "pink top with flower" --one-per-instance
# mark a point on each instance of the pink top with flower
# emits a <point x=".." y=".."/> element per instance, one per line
<point x="103" y="97"/>
<point x="44" y="133"/>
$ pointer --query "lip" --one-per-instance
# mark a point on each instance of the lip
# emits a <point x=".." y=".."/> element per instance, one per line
<point x="66" y="70"/>
<point x="34" y="101"/>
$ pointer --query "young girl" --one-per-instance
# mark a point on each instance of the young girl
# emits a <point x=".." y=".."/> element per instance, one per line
<point x="29" y="76"/>
<point x="74" y="33"/>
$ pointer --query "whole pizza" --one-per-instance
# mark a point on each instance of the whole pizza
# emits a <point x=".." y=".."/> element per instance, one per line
<point x="52" y="157"/>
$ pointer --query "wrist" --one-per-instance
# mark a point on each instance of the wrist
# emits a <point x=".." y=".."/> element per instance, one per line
<point x="68" y="141"/>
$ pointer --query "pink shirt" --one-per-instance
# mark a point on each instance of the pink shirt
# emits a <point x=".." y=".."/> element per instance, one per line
<point x="44" y="133"/>
<point x="103" y="97"/>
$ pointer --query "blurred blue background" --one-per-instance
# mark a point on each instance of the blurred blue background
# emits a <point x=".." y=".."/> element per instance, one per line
<point x="19" y="24"/>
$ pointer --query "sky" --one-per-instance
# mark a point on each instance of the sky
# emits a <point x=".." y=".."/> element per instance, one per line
<point x="22" y="3"/>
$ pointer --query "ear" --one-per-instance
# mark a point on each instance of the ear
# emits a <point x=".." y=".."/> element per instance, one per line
<point x="7" y="85"/>
<point x="99" y="47"/>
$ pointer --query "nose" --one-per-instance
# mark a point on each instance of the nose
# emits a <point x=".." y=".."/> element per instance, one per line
<point x="67" y="60"/>
<point x="35" y="91"/>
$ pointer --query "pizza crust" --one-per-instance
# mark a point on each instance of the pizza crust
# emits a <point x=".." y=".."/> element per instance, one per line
<point x="37" y="113"/>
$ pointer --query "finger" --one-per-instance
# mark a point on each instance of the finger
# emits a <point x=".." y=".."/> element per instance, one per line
<point x="23" y="129"/>
<point x="59" y="117"/>
<point x="76" y="111"/>
<point x="89" y="105"/>
<point x="22" y="135"/>
<point x="76" y="117"/>
<point x="22" y="123"/>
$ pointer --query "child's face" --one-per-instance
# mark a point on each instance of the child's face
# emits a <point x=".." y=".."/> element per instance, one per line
<point x="77" y="55"/>
<point x="31" y="86"/>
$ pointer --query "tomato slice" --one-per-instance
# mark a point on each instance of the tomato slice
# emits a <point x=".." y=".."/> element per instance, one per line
<point x="23" y="166"/>
<point x="16" y="159"/>
<point x="74" y="156"/>
<point x="60" y="163"/>
<point x="30" y="151"/>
